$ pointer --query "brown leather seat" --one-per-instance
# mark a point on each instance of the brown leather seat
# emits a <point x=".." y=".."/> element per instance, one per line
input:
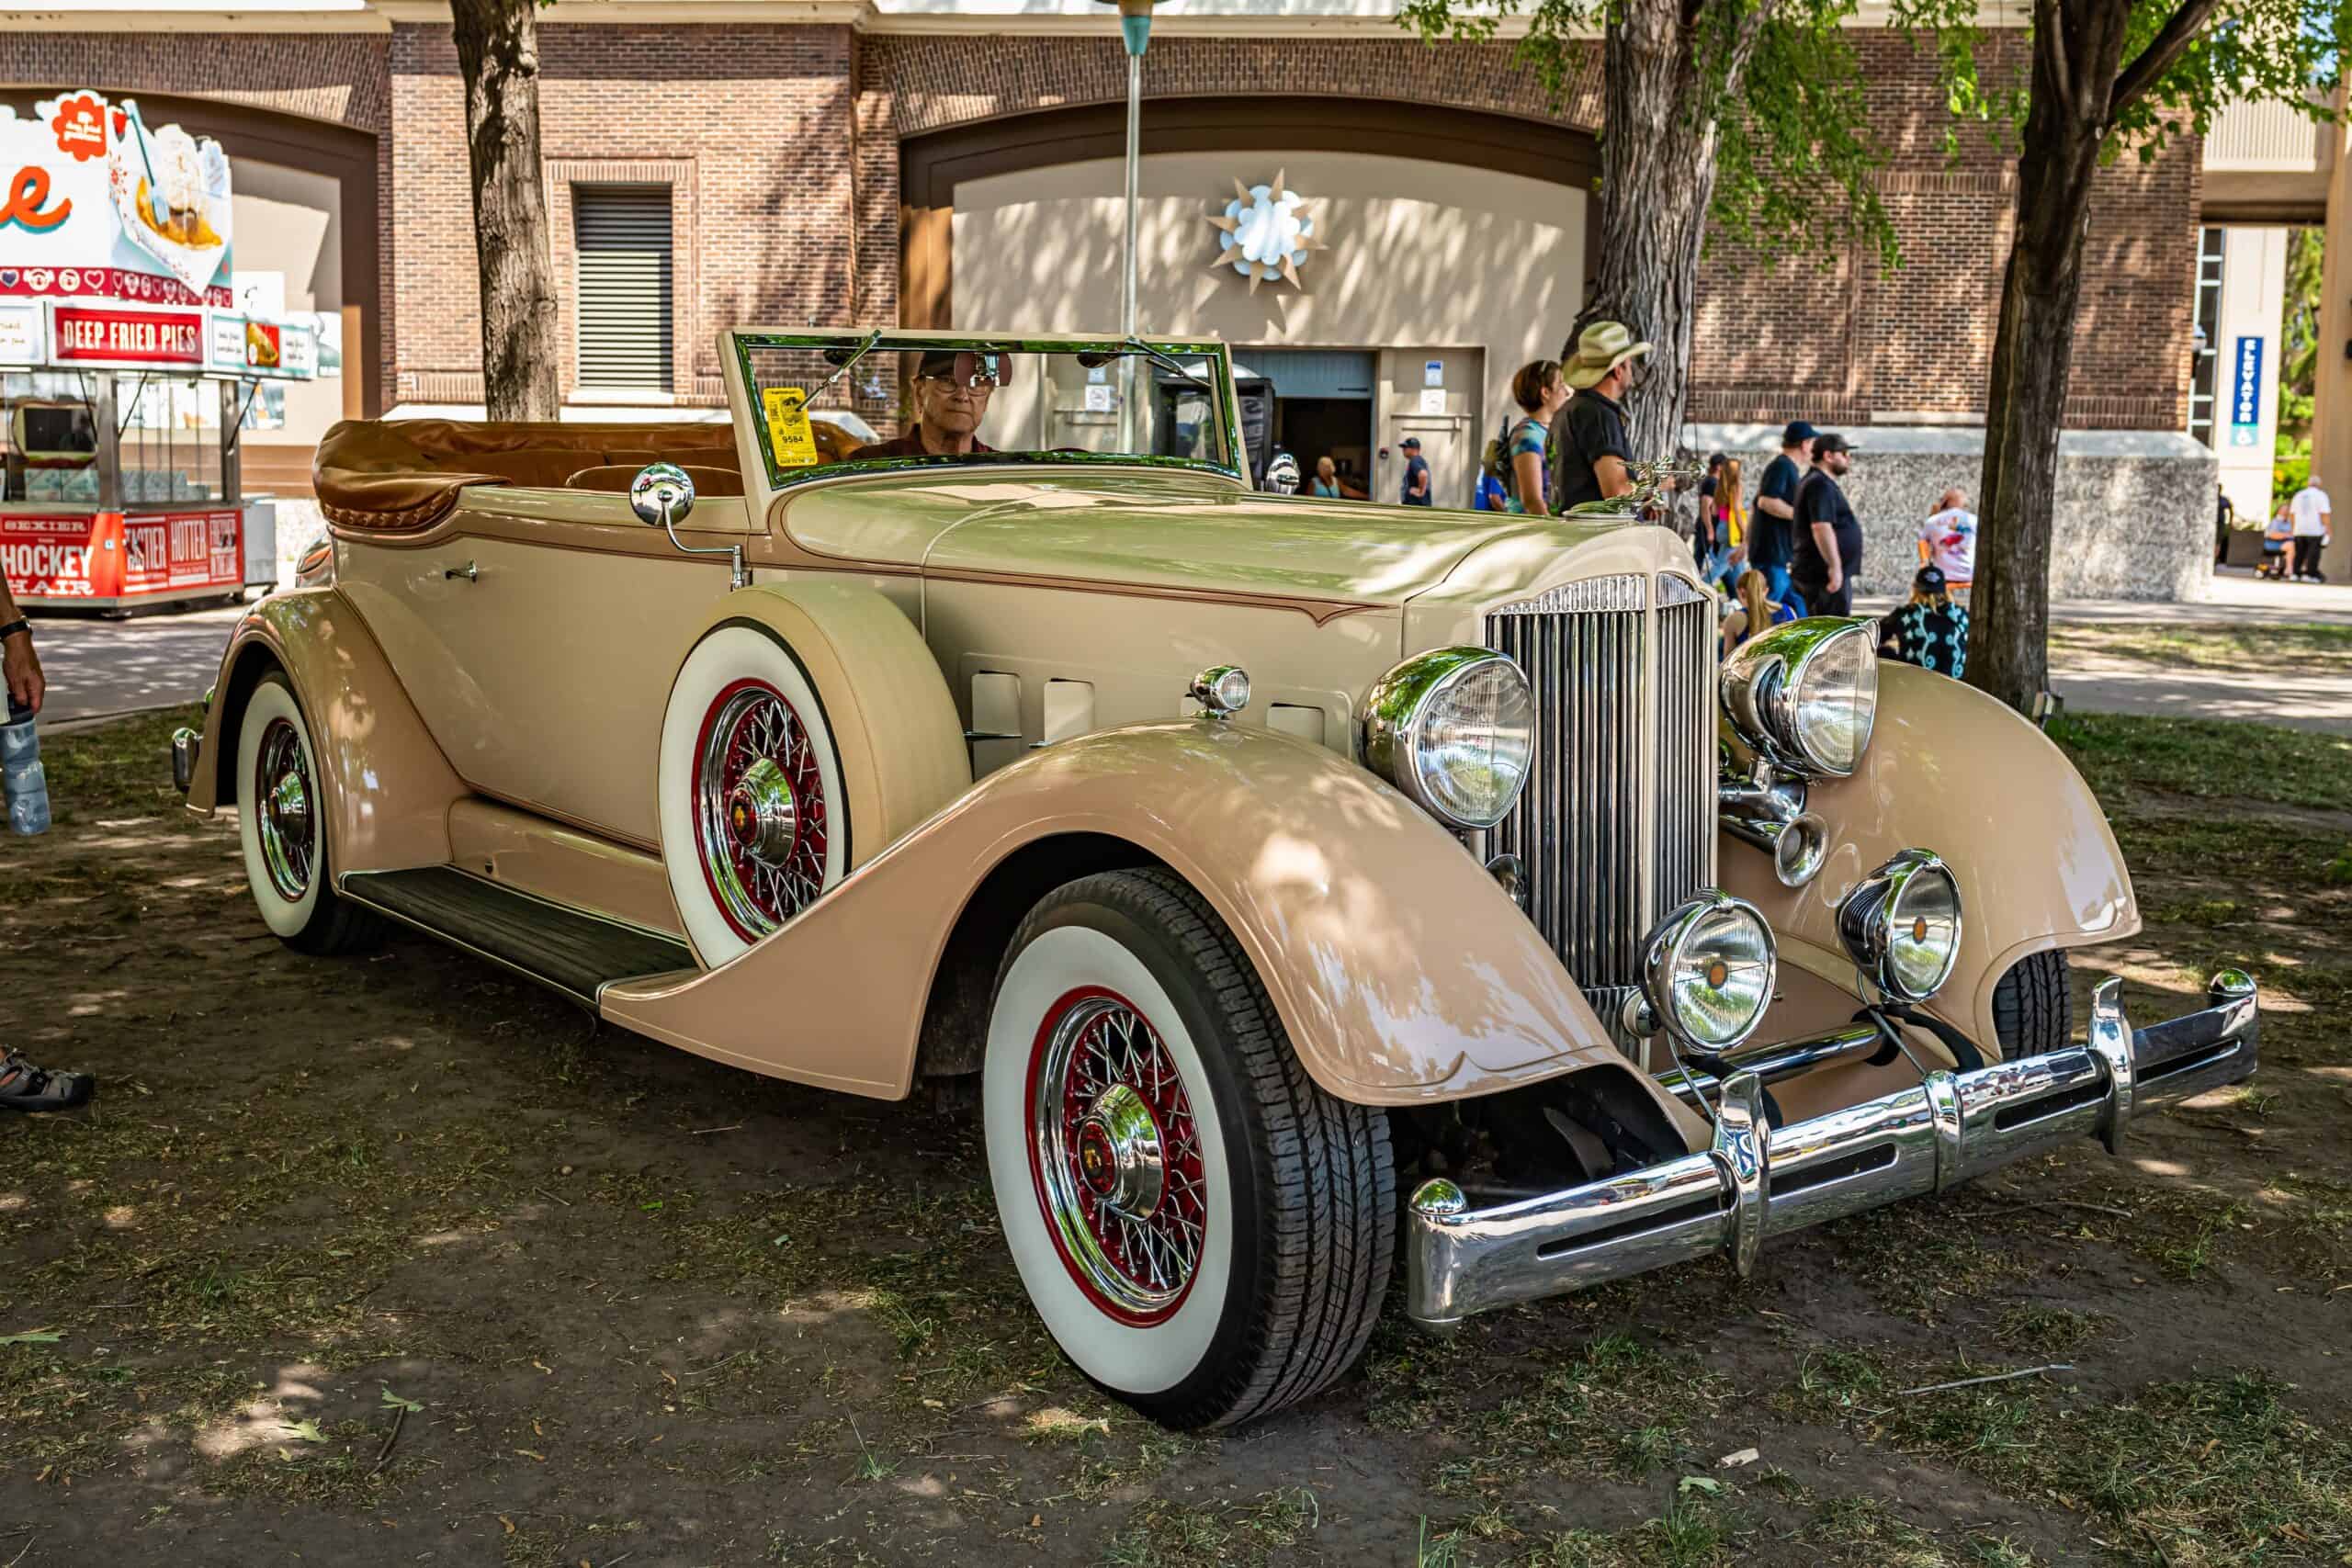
<point x="401" y="476"/>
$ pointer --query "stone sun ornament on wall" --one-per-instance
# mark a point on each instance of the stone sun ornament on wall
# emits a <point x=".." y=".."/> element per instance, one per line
<point x="1267" y="233"/>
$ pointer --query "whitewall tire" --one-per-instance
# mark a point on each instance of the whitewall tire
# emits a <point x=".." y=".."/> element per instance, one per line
<point x="754" y="825"/>
<point x="1206" y="1234"/>
<point x="282" y="826"/>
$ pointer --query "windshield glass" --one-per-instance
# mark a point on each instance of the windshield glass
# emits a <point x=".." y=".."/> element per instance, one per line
<point x="820" y="403"/>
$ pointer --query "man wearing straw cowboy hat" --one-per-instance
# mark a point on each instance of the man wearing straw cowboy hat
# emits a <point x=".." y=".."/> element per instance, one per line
<point x="1590" y="454"/>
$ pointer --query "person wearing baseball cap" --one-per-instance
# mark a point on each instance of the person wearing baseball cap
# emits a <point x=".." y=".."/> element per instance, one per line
<point x="1415" y="489"/>
<point x="1770" y="540"/>
<point x="1930" y="631"/>
<point x="1828" y="539"/>
<point x="952" y="390"/>
<point x="1600" y="366"/>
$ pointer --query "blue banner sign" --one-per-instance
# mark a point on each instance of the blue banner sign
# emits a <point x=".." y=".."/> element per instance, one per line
<point x="2245" y="393"/>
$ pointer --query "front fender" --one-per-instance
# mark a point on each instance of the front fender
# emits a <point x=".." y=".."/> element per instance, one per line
<point x="1402" y="973"/>
<point x="1951" y="770"/>
<point x="387" y="788"/>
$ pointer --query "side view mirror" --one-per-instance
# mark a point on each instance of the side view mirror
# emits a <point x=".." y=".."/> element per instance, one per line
<point x="662" y="495"/>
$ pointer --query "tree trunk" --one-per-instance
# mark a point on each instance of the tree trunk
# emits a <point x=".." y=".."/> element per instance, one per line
<point x="1658" y="163"/>
<point x="2079" y="45"/>
<point x="498" y="51"/>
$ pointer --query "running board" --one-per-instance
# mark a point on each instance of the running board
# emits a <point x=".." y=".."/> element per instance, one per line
<point x="578" y="954"/>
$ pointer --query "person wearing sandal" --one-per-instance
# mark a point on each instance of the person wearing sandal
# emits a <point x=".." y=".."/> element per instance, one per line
<point x="24" y="1087"/>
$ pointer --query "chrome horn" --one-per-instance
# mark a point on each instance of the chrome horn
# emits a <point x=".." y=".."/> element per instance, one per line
<point x="1771" y="814"/>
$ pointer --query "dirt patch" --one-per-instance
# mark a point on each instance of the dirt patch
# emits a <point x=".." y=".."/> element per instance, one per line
<point x="396" y="1259"/>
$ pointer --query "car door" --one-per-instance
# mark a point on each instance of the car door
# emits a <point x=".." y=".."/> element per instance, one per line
<point x="540" y="649"/>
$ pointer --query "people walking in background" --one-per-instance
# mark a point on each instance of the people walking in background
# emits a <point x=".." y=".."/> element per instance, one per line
<point x="1930" y="631"/>
<point x="2223" y="514"/>
<point x="1703" y="537"/>
<point x="1327" y="478"/>
<point x="1588" y="459"/>
<point x="1491" y="496"/>
<point x="2309" y="515"/>
<point x="1828" y="538"/>
<point x="1752" y="609"/>
<point x="1720" y="498"/>
<point x="1947" y="540"/>
<point x="1770" y="538"/>
<point x="2276" y="534"/>
<point x="1416" y="491"/>
<point x="1541" y="393"/>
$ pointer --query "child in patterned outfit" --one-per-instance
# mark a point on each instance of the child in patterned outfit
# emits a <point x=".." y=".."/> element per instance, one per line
<point x="1930" y="631"/>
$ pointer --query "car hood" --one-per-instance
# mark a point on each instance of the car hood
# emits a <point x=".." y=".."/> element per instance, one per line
<point x="1176" y="531"/>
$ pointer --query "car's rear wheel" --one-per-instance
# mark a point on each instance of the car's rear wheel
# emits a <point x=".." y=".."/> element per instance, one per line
<point x="2032" y="1006"/>
<point x="754" y="825"/>
<point x="281" y="824"/>
<point x="1206" y="1233"/>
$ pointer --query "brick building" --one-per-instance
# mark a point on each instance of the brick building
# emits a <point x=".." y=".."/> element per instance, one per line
<point x="862" y="162"/>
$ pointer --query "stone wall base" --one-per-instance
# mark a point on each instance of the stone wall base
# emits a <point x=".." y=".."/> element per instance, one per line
<point x="2135" y="508"/>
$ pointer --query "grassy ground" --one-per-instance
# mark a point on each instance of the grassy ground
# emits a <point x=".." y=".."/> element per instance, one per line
<point x="2309" y="649"/>
<point x="395" y="1259"/>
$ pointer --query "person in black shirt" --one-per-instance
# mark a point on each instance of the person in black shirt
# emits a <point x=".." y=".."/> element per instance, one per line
<point x="1415" y="491"/>
<point x="1828" y="539"/>
<point x="1771" y="525"/>
<point x="1931" y="631"/>
<point x="1588" y="450"/>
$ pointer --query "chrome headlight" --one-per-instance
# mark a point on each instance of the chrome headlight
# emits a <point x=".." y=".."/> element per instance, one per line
<point x="1901" y="923"/>
<point x="1803" y="695"/>
<point x="1453" y="728"/>
<point x="1707" y="971"/>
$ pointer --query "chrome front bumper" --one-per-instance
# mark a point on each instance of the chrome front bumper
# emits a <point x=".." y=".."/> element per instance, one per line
<point x="1759" y="1181"/>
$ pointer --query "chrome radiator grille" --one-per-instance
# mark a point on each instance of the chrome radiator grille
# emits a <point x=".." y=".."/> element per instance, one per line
<point x="1617" y="822"/>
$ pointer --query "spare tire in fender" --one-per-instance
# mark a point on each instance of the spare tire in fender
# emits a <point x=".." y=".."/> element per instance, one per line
<point x="808" y="727"/>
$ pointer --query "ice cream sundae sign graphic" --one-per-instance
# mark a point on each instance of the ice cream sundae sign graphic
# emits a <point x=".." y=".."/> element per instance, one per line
<point x="96" y="202"/>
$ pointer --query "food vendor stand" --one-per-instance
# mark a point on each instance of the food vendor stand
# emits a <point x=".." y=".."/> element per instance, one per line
<point x="125" y="373"/>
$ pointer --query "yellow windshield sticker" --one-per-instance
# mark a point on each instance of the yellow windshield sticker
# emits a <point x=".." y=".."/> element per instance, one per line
<point x="789" y="437"/>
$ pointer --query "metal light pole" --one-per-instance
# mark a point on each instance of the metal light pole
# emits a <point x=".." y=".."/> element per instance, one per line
<point x="1135" y="28"/>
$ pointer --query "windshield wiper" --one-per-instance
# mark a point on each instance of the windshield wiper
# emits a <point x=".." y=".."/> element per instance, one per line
<point x="862" y="349"/>
<point x="1166" y="362"/>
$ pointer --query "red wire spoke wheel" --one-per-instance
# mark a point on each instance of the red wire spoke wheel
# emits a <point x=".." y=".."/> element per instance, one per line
<point x="286" y="805"/>
<point x="1116" y="1156"/>
<point x="761" y="822"/>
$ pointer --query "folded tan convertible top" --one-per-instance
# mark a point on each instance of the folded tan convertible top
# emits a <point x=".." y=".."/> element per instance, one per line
<point x="401" y="476"/>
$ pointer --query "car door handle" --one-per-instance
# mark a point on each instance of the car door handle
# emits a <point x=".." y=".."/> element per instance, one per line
<point x="466" y="572"/>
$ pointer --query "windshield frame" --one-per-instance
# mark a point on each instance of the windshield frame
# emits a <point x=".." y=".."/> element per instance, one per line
<point x="741" y="344"/>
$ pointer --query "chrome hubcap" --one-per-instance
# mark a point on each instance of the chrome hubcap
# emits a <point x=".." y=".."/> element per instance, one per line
<point x="282" y="815"/>
<point x="761" y="824"/>
<point x="761" y="817"/>
<point x="1118" y="1153"/>
<point x="1116" y="1156"/>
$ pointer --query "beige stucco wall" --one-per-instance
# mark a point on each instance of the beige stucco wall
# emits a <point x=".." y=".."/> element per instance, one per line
<point x="1425" y="257"/>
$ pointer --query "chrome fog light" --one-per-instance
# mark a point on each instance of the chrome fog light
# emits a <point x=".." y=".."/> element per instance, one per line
<point x="1901" y="923"/>
<point x="1805" y="695"/>
<point x="1222" y="689"/>
<point x="1707" y="971"/>
<point x="1454" y="728"/>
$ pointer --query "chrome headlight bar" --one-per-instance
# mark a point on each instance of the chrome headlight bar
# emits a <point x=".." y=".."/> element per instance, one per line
<point x="1805" y="695"/>
<point x="1454" y="730"/>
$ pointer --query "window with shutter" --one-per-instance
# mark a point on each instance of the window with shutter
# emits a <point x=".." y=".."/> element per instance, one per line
<point x="622" y="236"/>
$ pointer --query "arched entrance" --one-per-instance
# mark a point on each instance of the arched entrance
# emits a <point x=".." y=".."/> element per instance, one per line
<point x="1458" y="246"/>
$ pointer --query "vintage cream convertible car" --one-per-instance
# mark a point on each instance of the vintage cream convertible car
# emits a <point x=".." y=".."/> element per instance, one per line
<point x="1263" y="856"/>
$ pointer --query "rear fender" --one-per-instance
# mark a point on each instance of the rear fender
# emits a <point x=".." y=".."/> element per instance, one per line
<point x="1951" y="770"/>
<point x="1401" y="972"/>
<point x="387" y="788"/>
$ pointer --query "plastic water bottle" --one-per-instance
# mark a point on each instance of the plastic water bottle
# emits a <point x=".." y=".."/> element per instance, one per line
<point x="22" y="779"/>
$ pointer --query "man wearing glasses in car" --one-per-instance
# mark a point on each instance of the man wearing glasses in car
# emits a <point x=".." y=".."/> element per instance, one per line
<point x="952" y="391"/>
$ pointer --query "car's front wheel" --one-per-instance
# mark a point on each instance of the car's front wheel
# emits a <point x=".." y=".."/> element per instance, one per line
<point x="1205" y="1232"/>
<point x="281" y="825"/>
